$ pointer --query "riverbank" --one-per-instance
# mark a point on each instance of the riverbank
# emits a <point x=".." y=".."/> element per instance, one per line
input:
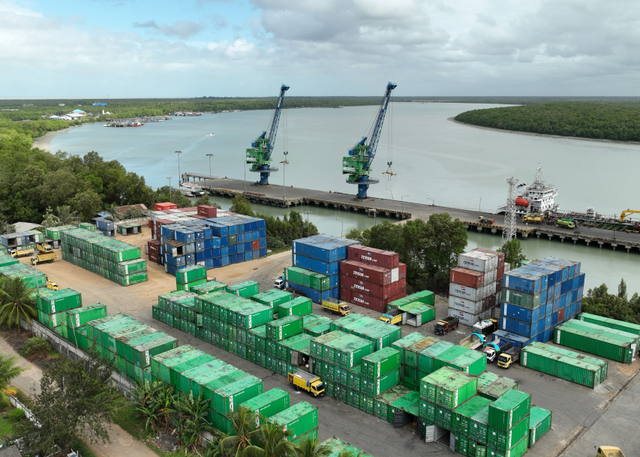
<point x="44" y="142"/>
<point x="545" y="135"/>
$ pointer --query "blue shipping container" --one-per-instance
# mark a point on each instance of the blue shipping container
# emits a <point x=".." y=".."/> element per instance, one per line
<point x="522" y="314"/>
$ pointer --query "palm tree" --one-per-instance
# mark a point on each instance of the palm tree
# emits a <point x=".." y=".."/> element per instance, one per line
<point x="5" y="227"/>
<point x="310" y="447"/>
<point x="15" y="302"/>
<point x="191" y="419"/>
<point x="243" y="423"/>
<point x="67" y="216"/>
<point x="272" y="442"/>
<point x="8" y="371"/>
<point x="151" y="403"/>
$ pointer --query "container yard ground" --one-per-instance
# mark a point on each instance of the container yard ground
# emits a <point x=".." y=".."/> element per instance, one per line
<point x="575" y="408"/>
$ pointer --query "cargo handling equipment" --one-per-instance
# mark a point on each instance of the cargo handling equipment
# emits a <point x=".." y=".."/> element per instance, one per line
<point x="259" y="154"/>
<point x="358" y="163"/>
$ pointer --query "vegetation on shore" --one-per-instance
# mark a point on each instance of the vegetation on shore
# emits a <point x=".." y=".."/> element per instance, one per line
<point x="619" y="121"/>
<point x="614" y="305"/>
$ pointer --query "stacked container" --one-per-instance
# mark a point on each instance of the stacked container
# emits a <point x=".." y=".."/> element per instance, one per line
<point x="595" y="339"/>
<point x="53" y="234"/>
<point x="73" y="327"/>
<point x="273" y="298"/>
<point x="610" y="323"/>
<point x="319" y="254"/>
<point x="6" y="259"/>
<point x="213" y="242"/>
<point x="128" y="342"/>
<point x="382" y="335"/>
<point x="189" y="277"/>
<point x="301" y="420"/>
<point x="418" y="308"/>
<point x="29" y="275"/>
<point x="508" y="431"/>
<point x="372" y="277"/>
<point x="473" y="285"/>
<point x="309" y="279"/>
<point x="300" y="306"/>
<point x="538" y="297"/>
<point x="21" y="240"/>
<point x="268" y="404"/>
<point x="52" y="304"/>
<point x="112" y="259"/>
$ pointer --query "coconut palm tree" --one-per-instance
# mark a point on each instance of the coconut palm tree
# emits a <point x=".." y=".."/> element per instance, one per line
<point x="8" y="371"/>
<point x="272" y="442"/>
<point x="243" y="422"/>
<point x="15" y="302"/>
<point x="67" y="216"/>
<point x="310" y="447"/>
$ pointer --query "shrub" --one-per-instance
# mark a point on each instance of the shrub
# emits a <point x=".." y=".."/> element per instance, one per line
<point x="16" y="414"/>
<point x="35" y="347"/>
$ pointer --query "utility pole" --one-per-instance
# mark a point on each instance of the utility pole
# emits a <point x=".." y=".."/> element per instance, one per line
<point x="284" y="163"/>
<point x="169" y="178"/>
<point x="307" y="213"/>
<point x="402" y="204"/>
<point x="210" y="156"/>
<point x="341" y="228"/>
<point x="179" y="177"/>
<point x="509" y="231"/>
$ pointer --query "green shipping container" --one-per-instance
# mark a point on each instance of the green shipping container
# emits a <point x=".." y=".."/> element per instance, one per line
<point x="539" y="424"/>
<point x="190" y="274"/>
<point x="80" y="316"/>
<point x="425" y="296"/>
<point x="252" y="315"/>
<point x="508" y="410"/>
<point x="407" y="404"/>
<point x="352" y="351"/>
<point x="267" y="404"/>
<point x="94" y="327"/>
<point x="611" y="323"/>
<point x="445" y="358"/>
<point x="472" y="362"/>
<point x="173" y="369"/>
<point x="341" y="322"/>
<point x="382" y="402"/>
<point x="318" y="330"/>
<point x="382" y="335"/>
<point x="227" y="399"/>
<point x="317" y="343"/>
<point x="504" y="441"/>
<point x="311" y="434"/>
<point x="337" y="446"/>
<point x="245" y="289"/>
<point x="462" y="414"/>
<point x="55" y="301"/>
<point x="158" y="359"/>
<point x="448" y="387"/>
<point x="411" y="353"/>
<point x="373" y="387"/>
<point x="523" y="299"/>
<point x="300" y="306"/>
<point x="426" y="358"/>
<point x="188" y="286"/>
<point x="407" y="341"/>
<point x="479" y="426"/>
<point x="307" y="278"/>
<point x="143" y="352"/>
<point x="298" y="419"/>
<point x="518" y="450"/>
<point x="564" y="364"/>
<point x="284" y="328"/>
<point x="380" y="363"/>
<point x="208" y="287"/>
<point x="493" y="386"/>
<point x="601" y="341"/>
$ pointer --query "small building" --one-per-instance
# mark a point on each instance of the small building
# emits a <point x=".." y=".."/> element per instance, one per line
<point x="11" y="451"/>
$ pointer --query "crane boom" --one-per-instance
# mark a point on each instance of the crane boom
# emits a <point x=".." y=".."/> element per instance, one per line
<point x="259" y="154"/>
<point x="358" y="164"/>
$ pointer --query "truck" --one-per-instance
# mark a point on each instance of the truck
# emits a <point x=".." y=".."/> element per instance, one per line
<point x="302" y="380"/>
<point x="473" y="341"/>
<point x="331" y="305"/>
<point x="486" y="220"/>
<point x="566" y="222"/>
<point x="609" y="451"/>
<point x="494" y="349"/>
<point x="18" y="252"/>
<point x="532" y="218"/>
<point x="507" y="358"/>
<point x="393" y="317"/>
<point x="279" y="283"/>
<point x="41" y="257"/>
<point x="44" y="248"/>
<point x="486" y="327"/>
<point x="447" y="324"/>
<point x="52" y="285"/>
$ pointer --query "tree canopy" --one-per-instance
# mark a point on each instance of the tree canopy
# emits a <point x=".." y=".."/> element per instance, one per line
<point x="513" y="254"/>
<point x="616" y="306"/>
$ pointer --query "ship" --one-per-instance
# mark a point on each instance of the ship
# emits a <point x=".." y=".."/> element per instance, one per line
<point x="189" y="189"/>
<point x="537" y="198"/>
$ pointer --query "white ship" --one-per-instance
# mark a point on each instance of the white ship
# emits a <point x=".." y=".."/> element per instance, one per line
<point x="537" y="198"/>
<point x="189" y="189"/>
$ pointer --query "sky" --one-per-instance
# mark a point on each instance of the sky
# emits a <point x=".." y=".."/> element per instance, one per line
<point x="246" y="48"/>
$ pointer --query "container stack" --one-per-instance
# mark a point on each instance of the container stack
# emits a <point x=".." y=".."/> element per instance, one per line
<point x="189" y="277"/>
<point x="572" y="366"/>
<point x="598" y="340"/>
<point x="300" y="306"/>
<point x="6" y="259"/>
<point x="372" y="278"/>
<point x="473" y="285"/>
<point x="127" y="341"/>
<point x="318" y="254"/>
<point x="73" y="327"/>
<point x="301" y="420"/>
<point x="53" y="234"/>
<point x="213" y="242"/>
<point x="272" y="297"/>
<point x="21" y="240"/>
<point x="538" y="297"/>
<point x="29" y="275"/>
<point x="268" y="404"/>
<point x="508" y="420"/>
<point x="308" y="279"/>
<point x="493" y="386"/>
<point x="418" y="308"/>
<point x="112" y="259"/>
<point x="380" y="334"/>
<point x="105" y="226"/>
<point x="337" y="446"/>
<point x="52" y="304"/>
<point x="245" y="289"/>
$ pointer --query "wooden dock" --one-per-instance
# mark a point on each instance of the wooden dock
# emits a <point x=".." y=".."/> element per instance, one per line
<point x="276" y="195"/>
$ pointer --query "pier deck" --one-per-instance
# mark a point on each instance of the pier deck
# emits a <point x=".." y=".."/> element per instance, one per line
<point x="276" y="195"/>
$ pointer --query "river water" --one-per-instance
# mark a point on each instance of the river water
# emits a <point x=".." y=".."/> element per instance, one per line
<point x="436" y="161"/>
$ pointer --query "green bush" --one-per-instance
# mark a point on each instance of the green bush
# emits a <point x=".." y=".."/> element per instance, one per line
<point x="16" y="414"/>
<point x="34" y="347"/>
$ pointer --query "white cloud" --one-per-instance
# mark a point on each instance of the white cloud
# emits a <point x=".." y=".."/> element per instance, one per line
<point x="182" y="29"/>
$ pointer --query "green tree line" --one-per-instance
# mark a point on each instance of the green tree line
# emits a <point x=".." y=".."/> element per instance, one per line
<point x="430" y="249"/>
<point x="614" y="305"/>
<point x="618" y="121"/>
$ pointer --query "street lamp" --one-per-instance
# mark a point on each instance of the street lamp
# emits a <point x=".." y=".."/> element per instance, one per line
<point x="284" y="163"/>
<point x="210" y="156"/>
<point x="341" y="228"/>
<point x="179" y="177"/>
<point x="35" y="264"/>
<point x="433" y="202"/>
<point x="391" y="192"/>
<point x="307" y="213"/>
<point x="169" y="178"/>
<point x="402" y="202"/>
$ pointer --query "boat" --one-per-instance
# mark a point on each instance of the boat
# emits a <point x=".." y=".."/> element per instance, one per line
<point x="212" y="134"/>
<point x="537" y="198"/>
<point x="191" y="188"/>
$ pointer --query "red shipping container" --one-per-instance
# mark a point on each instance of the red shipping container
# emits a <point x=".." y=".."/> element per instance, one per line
<point x="164" y="206"/>
<point x="398" y="297"/>
<point x="153" y="256"/>
<point x="498" y="286"/>
<point x="467" y="278"/>
<point x="154" y="245"/>
<point x="489" y="251"/>
<point x="191" y="208"/>
<point x="373" y="256"/>
<point x="199" y="216"/>
<point x="208" y="211"/>
<point x="500" y="274"/>
<point x="370" y="273"/>
<point x="366" y="301"/>
<point x="489" y="302"/>
<point x="374" y="290"/>
<point x="150" y="223"/>
<point x="255" y="245"/>
<point x="402" y="270"/>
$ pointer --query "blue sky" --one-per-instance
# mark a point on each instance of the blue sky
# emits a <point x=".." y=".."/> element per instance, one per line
<point x="190" y="48"/>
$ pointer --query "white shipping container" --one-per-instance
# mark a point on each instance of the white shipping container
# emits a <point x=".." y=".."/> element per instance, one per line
<point x="469" y="293"/>
<point x="395" y="274"/>
<point x="478" y="261"/>
<point x="490" y="276"/>
<point x="462" y="304"/>
<point x="433" y="433"/>
<point x="468" y="318"/>
<point x="452" y="442"/>
<point x="507" y="267"/>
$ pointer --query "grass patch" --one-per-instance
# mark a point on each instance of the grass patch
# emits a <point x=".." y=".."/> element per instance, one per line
<point x="6" y="427"/>
<point x="82" y="448"/>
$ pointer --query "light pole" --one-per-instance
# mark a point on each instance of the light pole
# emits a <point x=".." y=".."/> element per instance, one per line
<point x="284" y="163"/>
<point x="402" y="202"/>
<point x="480" y="205"/>
<point x="35" y="264"/>
<point x="210" y="156"/>
<point x="391" y="192"/>
<point x="433" y="202"/>
<point x="169" y="178"/>
<point x="341" y="228"/>
<point x="179" y="177"/>
<point x="307" y="213"/>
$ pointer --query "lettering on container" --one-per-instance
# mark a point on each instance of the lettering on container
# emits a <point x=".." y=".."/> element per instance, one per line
<point x="368" y="258"/>
<point x="231" y="403"/>
<point x="77" y="320"/>
<point x="358" y="273"/>
<point x="358" y="286"/>
<point x="147" y="358"/>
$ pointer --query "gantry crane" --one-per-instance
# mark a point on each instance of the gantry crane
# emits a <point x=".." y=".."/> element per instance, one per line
<point x="358" y="164"/>
<point x="259" y="154"/>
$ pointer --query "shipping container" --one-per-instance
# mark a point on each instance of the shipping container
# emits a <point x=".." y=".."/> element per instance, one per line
<point x="382" y="402"/>
<point x="267" y="404"/>
<point x="539" y="424"/>
<point x="407" y="341"/>
<point x="411" y="353"/>
<point x="518" y="450"/>
<point x="227" y="399"/>
<point x="317" y="343"/>
<point x="55" y="301"/>
<point x="245" y="289"/>
<point x="80" y="316"/>
<point x="373" y="256"/>
<point x="467" y="278"/>
<point x="307" y="278"/>
<point x="478" y="261"/>
<point x="448" y="387"/>
<point x="468" y="318"/>
<point x="336" y="446"/>
<point x="601" y="341"/>
<point x="373" y="387"/>
<point x="493" y="386"/>
<point x="284" y="328"/>
<point x="370" y="288"/>
<point x="273" y="298"/>
<point x="427" y="358"/>
<point x="420" y="315"/>
<point x="611" y="323"/>
<point x="297" y="419"/>
<point x="300" y="306"/>
<point x="509" y="409"/>
<point x="505" y="441"/>
<point x="462" y="414"/>
<point x="472" y="293"/>
<point x="380" y="363"/>
<point x="364" y="272"/>
<point x="425" y="297"/>
<point x="472" y="362"/>
<point x="471" y="307"/>
<point x="479" y="426"/>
